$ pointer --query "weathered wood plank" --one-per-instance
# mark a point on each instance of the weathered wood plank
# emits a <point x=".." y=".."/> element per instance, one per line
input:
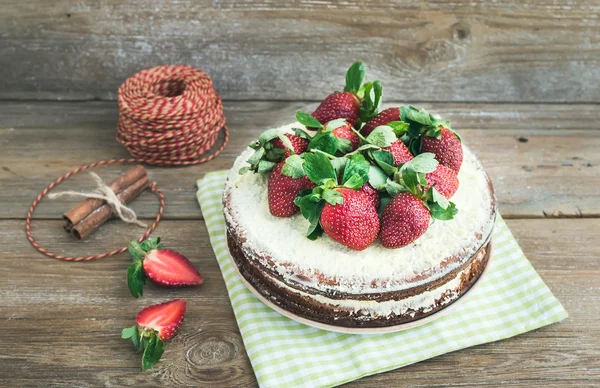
<point x="75" y="311"/>
<point x="537" y="50"/>
<point x="543" y="159"/>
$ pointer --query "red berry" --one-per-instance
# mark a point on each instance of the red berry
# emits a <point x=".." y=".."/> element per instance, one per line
<point x="384" y="117"/>
<point x="171" y="269"/>
<point x="354" y="223"/>
<point x="400" y="152"/>
<point x="339" y="105"/>
<point x="371" y="193"/>
<point x="444" y="179"/>
<point x="299" y="144"/>
<point x="282" y="190"/>
<point x="165" y="318"/>
<point x="447" y="150"/>
<point x="346" y="132"/>
<point x="403" y="221"/>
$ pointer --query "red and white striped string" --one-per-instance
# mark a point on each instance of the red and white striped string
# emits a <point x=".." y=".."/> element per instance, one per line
<point x="168" y="116"/>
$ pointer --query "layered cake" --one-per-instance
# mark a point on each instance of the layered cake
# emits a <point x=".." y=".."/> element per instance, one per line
<point x="371" y="223"/>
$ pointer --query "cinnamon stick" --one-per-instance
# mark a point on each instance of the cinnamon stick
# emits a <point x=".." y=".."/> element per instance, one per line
<point x="99" y="216"/>
<point x="86" y="207"/>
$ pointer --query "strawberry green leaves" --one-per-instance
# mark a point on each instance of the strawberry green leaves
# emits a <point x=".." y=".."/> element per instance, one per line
<point x="308" y="120"/>
<point x="356" y="173"/>
<point x="320" y="169"/>
<point x="354" y="77"/>
<point x="136" y="277"/>
<point x="153" y="351"/>
<point x="411" y="177"/>
<point x="382" y="136"/>
<point x="266" y="155"/>
<point x="371" y="94"/>
<point x="293" y="167"/>
<point x="146" y="341"/>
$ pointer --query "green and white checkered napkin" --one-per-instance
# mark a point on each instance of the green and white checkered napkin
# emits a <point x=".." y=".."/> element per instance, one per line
<point x="512" y="299"/>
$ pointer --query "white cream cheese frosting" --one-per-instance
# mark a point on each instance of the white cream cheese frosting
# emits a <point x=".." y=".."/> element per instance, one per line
<point x="375" y="269"/>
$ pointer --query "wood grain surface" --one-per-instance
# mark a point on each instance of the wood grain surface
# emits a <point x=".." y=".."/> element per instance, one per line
<point x="60" y="322"/>
<point x="543" y="159"/>
<point x="482" y="50"/>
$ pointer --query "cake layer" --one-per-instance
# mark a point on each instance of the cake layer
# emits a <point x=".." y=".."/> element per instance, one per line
<point x="279" y="248"/>
<point x="360" y="313"/>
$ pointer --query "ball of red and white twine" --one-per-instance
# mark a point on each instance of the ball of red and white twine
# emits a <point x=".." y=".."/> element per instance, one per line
<point x="168" y="116"/>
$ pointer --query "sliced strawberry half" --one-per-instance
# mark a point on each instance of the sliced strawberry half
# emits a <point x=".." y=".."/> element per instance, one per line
<point x="154" y="325"/>
<point x="168" y="268"/>
<point x="163" y="266"/>
<point x="164" y="318"/>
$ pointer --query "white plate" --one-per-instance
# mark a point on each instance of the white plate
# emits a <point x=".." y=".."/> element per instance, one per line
<point x="366" y="330"/>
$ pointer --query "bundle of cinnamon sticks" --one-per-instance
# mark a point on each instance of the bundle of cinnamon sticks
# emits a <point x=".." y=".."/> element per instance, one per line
<point x="86" y="217"/>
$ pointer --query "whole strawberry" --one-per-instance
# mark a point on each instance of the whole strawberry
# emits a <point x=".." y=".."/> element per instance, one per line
<point x="344" y="130"/>
<point x="154" y="325"/>
<point x="353" y="223"/>
<point x="371" y="193"/>
<point x="447" y="149"/>
<point x="299" y="145"/>
<point x="384" y="117"/>
<point x="400" y="152"/>
<point x="272" y="147"/>
<point x="404" y="219"/>
<point x="164" y="267"/>
<point x="344" y="105"/>
<point x="444" y="179"/>
<point x="358" y="101"/>
<point x="282" y="190"/>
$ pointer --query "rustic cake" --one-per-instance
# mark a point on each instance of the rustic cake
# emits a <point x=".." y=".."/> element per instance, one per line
<point x="325" y="281"/>
<point x="357" y="217"/>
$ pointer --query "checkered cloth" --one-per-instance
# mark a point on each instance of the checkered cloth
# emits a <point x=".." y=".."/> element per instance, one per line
<point x="511" y="299"/>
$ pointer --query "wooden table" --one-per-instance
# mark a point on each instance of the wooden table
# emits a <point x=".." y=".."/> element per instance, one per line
<point x="519" y="80"/>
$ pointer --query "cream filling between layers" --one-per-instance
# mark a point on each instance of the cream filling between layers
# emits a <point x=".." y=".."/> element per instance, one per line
<point x="370" y="309"/>
<point x="376" y="269"/>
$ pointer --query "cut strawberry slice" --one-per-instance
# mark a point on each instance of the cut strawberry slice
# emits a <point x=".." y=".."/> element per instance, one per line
<point x="171" y="269"/>
<point x="165" y="318"/>
<point x="163" y="266"/>
<point x="155" y="324"/>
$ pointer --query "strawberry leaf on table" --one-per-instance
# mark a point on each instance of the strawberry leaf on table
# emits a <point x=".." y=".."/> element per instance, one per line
<point x="153" y="352"/>
<point x="354" y="77"/>
<point x="136" y="278"/>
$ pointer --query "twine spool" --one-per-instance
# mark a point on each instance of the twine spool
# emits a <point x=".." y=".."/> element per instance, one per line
<point x="168" y="116"/>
